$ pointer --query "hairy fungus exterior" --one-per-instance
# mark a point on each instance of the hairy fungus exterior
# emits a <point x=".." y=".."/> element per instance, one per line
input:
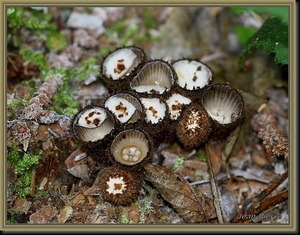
<point x="118" y="186"/>
<point x="194" y="127"/>
<point x="152" y="100"/>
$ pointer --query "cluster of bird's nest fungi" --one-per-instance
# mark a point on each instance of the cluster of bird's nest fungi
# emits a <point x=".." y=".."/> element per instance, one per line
<point x="151" y="101"/>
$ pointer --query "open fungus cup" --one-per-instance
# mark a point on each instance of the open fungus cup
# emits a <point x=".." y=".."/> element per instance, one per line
<point x="119" y="66"/>
<point x="156" y="118"/>
<point x="155" y="78"/>
<point x="93" y="124"/>
<point x="176" y="102"/>
<point x="192" y="77"/>
<point x="225" y="106"/>
<point x="131" y="149"/>
<point x="150" y="101"/>
<point x="126" y="108"/>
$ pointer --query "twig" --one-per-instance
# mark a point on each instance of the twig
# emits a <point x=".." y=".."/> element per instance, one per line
<point x="254" y="204"/>
<point x="231" y="140"/>
<point x="263" y="206"/>
<point x="200" y="182"/>
<point x="12" y="62"/>
<point x="32" y="183"/>
<point x="214" y="187"/>
<point x="273" y="186"/>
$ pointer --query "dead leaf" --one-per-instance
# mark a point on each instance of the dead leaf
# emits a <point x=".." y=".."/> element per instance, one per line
<point x="78" y="199"/>
<point x="22" y="205"/>
<point x="81" y="171"/>
<point x="71" y="160"/>
<point x="43" y="216"/>
<point x="190" y="203"/>
<point x="64" y="215"/>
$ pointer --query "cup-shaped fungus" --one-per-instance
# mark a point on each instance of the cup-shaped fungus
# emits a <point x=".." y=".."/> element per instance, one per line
<point x="194" y="127"/>
<point x="120" y="65"/>
<point x="156" y="115"/>
<point x="225" y="106"/>
<point x="92" y="124"/>
<point x="192" y="74"/>
<point x="116" y="186"/>
<point x="130" y="147"/>
<point x="155" y="77"/>
<point x="126" y="108"/>
<point x="176" y="103"/>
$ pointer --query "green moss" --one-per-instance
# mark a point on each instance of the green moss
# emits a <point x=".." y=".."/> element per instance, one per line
<point x="41" y="193"/>
<point x="32" y="85"/>
<point x="202" y="157"/>
<point x="55" y="41"/>
<point x="124" y="33"/>
<point x="11" y="216"/>
<point x="82" y="72"/>
<point x="17" y="102"/>
<point x="36" y="58"/>
<point x="19" y="17"/>
<point x="178" y="163"/>
<point x="63" y="101"/>
<point x="150" y="22"/>
<point x="124" y="219"/>
<point x="23" y="165"/>
<point x="146" y="205"/>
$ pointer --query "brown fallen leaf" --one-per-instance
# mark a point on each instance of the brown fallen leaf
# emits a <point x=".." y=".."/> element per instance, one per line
<point x="71" y="160"/>
<point x="43" y="215"/>
<point x="22" y="205"/>
<point x="81" y="171"/>
<point x="64" y="214"/>
<point x="189" y="202"/>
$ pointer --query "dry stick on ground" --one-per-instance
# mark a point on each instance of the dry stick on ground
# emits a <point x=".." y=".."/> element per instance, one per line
<point x="32" y="183"/>
<point x="265" y="205"/>
<point x="11" y="61"/>
<point x="214" y="187"/>
<point x="255" y="206"/>
<point x="231" y="140"/>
